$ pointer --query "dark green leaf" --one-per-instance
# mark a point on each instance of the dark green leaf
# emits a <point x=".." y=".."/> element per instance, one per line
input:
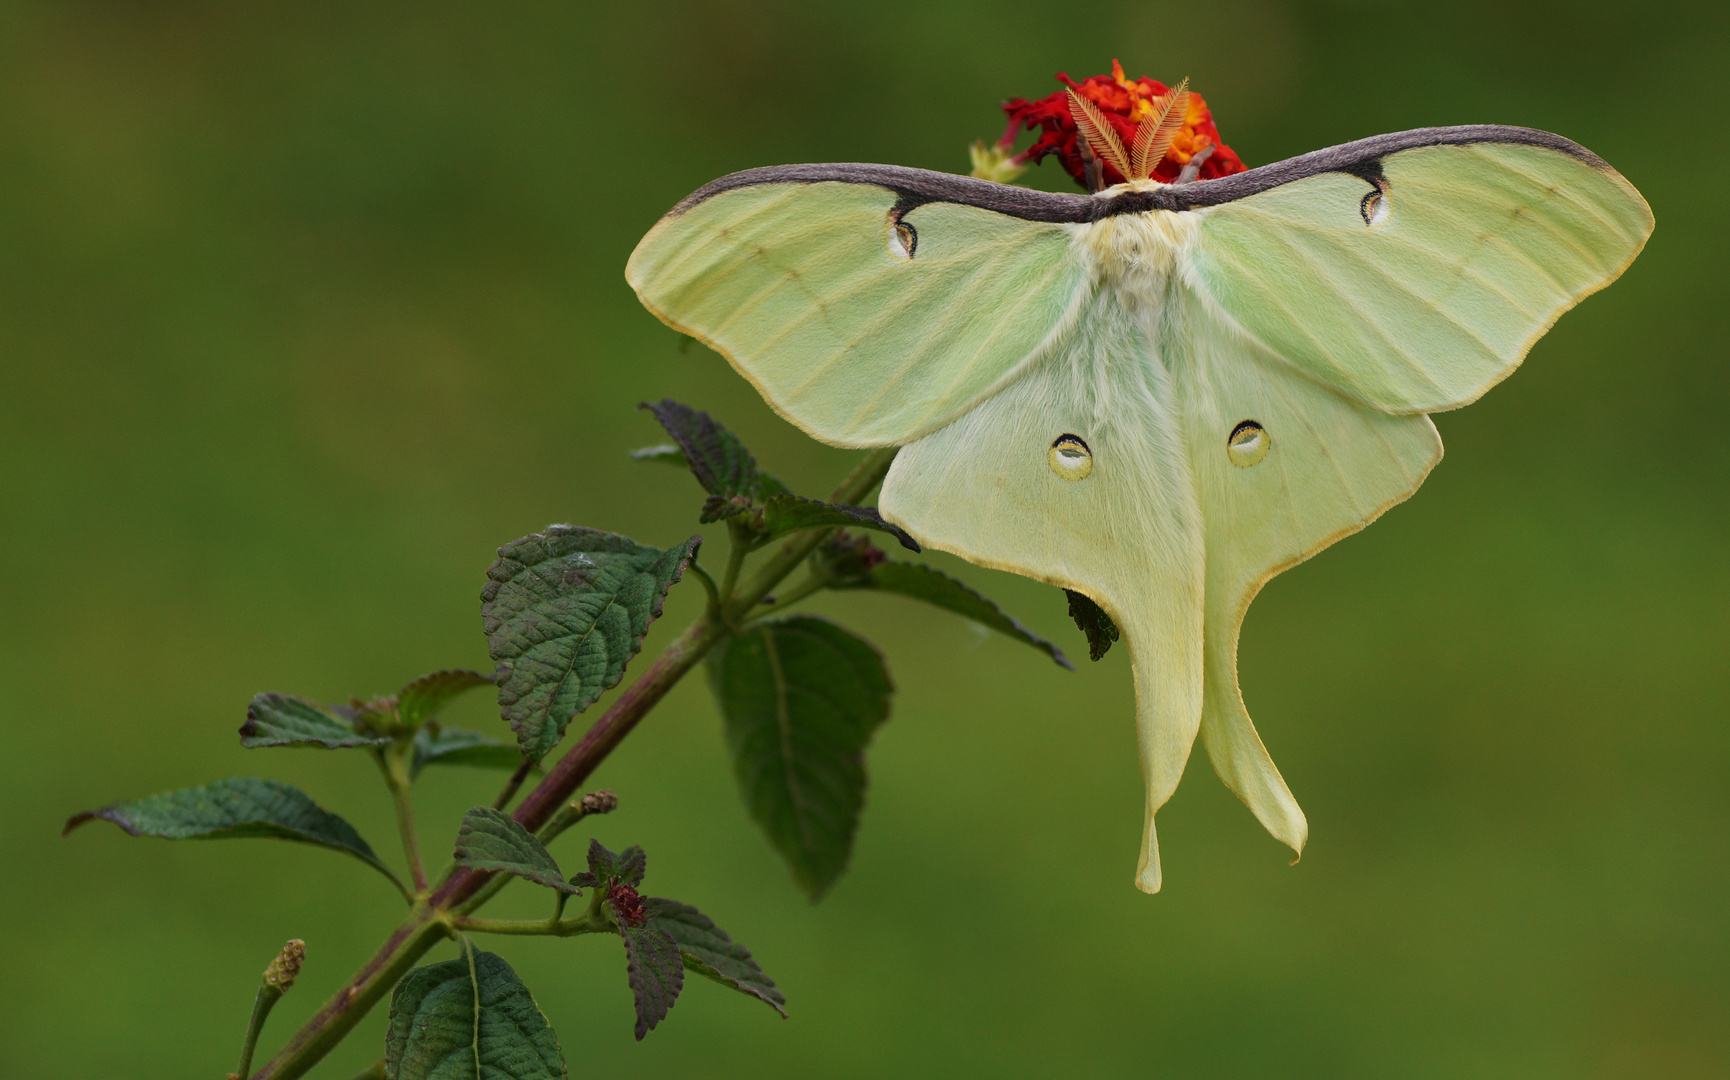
<point x="801" y="698"/>
<point x="493" y="840"/>
<point x="666" y="454"/>
<point x="283" y="720"/>
<point x="1093" y="621"/>
<point x="564" y="611"/>
<point x="239" y="806"/>
<point x="710" y="952"/>
<point x="422" y="699"/>
<point x="790" y="513"/>
<point x="656" y="970"/>
<point x="439" y="745"/>
<point x="935" y="587"/>
<point x="439" y="1032"/>
<point x="717" y="458"/>
<point x="628" y="866"/>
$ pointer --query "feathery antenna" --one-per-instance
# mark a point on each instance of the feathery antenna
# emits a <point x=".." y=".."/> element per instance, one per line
<point x="1099" y="133"/>
<point x="1153" y="135"/>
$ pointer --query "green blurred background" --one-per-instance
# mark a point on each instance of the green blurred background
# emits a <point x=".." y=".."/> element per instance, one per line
<point x="306" y="308"/>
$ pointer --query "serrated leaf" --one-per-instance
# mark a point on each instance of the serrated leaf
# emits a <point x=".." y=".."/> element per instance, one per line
<point x="933" y="586"/>
<point x="656" y="970"/>
<point x="422" y="699"/>
<point x="468" y="1019"/>
<point x="715" y="455"/>
<point x="564" y="611"/>
<point x="439" y="745"/>
<point x="628" y="866"/>
<point x="240" y="806"/>
<point x="285" y="720"/>
<point x="790" y="513"/>
<point x="491" y="839"/>
<point x="801" y="697"/>
<point x="665" y="454"/>
<point x="1092" y="620"/>
<point x="709" y="952"/>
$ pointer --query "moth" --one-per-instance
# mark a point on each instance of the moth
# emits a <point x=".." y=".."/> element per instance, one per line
<point x="1157" y="395"/>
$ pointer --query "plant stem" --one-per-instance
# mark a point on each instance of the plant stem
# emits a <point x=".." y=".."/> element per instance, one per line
<point x="375" y="1071"/>
<point x="331" y="1024"/>
<point x="429" y="919"/>
<point x="739" y="546"/>
<point x="563" y="779"/>
<point x="396" y="778"/>
<point x="865" y="476"/>
<point x="580" y="924"/>
<point x="511" y="785"/>
<point x="492" y="888"/>
<point x="709" y="587"/>
<point x="265" y="1001"/>
<point x="814" y="582"/>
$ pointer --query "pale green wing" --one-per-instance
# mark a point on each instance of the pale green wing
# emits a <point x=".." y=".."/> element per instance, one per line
<point x="1128" y="534"/>
<point x="1327" y="467"/>
<point x="862" y="315"/>
<point x="1416" y="281"/>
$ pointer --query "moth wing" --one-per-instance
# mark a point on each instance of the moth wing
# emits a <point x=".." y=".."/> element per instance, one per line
<point x="1420" y="280"/>
<point x="1128" y="535"/>
<point x="861" y="319"/>
<point x="1329" y="467"/>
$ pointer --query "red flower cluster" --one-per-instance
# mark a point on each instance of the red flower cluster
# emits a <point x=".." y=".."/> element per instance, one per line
<point x="627" y="904"/>
<point x="1125" y="103"/>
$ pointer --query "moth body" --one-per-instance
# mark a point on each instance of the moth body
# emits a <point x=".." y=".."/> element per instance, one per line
<point x="1135" y="254"/>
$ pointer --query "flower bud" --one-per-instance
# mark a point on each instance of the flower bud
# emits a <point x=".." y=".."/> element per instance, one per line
<point x="995" y="161"/>
<point x="627" y="904"/>
<point x="597" y="802"/>
<point x="286" y="967"/>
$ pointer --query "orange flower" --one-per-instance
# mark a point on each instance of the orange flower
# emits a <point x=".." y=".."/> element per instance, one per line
<point x="1125" y="103"/>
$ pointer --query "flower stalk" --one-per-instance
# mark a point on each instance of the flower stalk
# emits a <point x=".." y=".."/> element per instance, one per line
<point x="277" y="980"/>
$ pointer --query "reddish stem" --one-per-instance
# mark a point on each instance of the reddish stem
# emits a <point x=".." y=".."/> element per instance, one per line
<point x="539" y="805"/>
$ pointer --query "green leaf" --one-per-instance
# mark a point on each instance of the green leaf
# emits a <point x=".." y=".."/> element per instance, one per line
<point x="790" y="513"/>
<point x="564" y="611"/>
<point x="435" y="744"/>
<point x="933" y="586"/>
<point x="715" y="455"/>
<point x="469" y="1018"/>
<point x="493" y="840"/>
<point x="628" y="866"/>
<point x="284" y="720"/>
<point x="666" y="454"/>
<point x="801" y="698"/>
<point x="240" y="806"/>
<point x="421" y="700"/>
<point x="656" y="971"/>
<point x="708" y="951"/>
<point x="1093" y="621"/>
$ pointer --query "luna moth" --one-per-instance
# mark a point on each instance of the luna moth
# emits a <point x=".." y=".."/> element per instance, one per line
<point x="1157" y="395"/>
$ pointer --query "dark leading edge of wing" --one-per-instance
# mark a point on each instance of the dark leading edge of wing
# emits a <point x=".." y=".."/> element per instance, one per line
<point x="916" y="186"/>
